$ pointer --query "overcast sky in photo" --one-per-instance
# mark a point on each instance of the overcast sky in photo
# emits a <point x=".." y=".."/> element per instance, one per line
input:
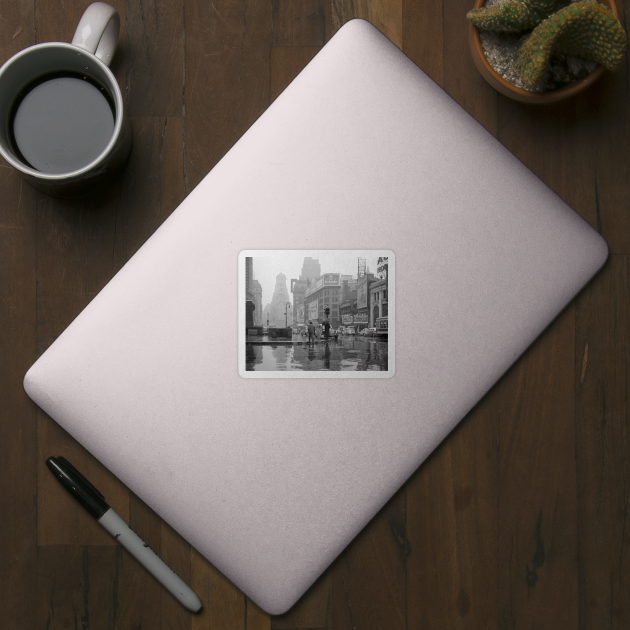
<point x="289" y="262"/>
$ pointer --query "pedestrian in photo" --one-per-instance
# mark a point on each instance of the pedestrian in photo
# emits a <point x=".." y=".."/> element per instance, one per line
<point x="326" y="329"/>
<point x="311" y="332"/>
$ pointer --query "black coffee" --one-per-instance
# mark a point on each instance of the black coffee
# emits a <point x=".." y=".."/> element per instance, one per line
<point x="61" y="123"/>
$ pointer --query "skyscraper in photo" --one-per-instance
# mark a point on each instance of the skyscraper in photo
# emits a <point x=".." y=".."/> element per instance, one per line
<point x="311" y="269"/>
<point x="279" y="301"/>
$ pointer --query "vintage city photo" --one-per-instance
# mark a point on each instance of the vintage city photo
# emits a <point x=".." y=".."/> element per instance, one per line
<point x="316" y="313"/>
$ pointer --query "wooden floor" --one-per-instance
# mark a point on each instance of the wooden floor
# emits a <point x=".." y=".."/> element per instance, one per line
<point x="518" y="520"/>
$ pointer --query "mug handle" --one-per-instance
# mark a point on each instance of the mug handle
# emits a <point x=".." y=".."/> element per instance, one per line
<point x="98" y="31"/>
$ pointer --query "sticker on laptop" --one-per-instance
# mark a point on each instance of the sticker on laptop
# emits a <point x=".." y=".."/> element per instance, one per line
<point x="316" y="313"/>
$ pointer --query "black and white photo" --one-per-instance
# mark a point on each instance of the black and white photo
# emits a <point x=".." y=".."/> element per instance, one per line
<point x="316" y="313"/>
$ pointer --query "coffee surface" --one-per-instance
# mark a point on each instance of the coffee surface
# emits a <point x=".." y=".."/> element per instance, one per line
<point x="62" y="124"/>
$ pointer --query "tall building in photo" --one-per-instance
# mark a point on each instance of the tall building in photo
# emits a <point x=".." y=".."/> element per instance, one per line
<point x="325" y="292"/>
<point x="379" y="299"/>
<point x="265" y="314"/>
<point x="256" y="290"/>
<point x="311" y="271"/>
<point x="361" y="317"/>
<point x="249" y="296"/>
<point x="298" y="288"/>
<point x="279" y="303"/>
<point x="253" y="294"/>
<point x="361" y="267"/>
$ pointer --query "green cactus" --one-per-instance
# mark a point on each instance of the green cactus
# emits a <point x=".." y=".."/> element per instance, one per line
<point x="513" y="16"/>
<point x="583" y="29"/>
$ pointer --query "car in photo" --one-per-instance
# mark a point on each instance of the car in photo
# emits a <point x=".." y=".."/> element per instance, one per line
<point x="350" y="330"/>
<point x="369" y="332"/>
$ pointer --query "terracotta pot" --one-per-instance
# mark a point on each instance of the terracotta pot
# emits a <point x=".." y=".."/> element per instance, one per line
<point x="518" y="94"/>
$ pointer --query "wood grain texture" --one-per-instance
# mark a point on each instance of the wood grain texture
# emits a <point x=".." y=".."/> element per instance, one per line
<point x="313" y="610"/>
<point x="152" y="606"/>
<point x="226" y="78"/>
<point x="602" y="380"/>
<point x="537" y="509"/>
<point x="300" y="23"/>
<point x="386" y="15"/>
<point x="18" y="416"/>
<point x="154" y="58"/>
<point x="285" y="64"/>
<point x="576" y="149"/>
<point x="452" y="517"/>
<point x="461" y="79"/>
<point x="76" y="587"/>
<point x="58" y="519"/>
<point x="224" y="606"/>
<point x="369" y="577"/>
<point x="518" y="520"/>
<point x="422" y="36"/>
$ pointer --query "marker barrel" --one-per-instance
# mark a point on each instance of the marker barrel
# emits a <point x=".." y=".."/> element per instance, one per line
<point x="149" y="559"/>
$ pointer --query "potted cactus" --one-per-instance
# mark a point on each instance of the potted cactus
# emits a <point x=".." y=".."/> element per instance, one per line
<point x="558" y="49"/>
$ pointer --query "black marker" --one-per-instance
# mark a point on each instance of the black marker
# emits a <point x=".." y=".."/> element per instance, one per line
<point x="94" y="502"/>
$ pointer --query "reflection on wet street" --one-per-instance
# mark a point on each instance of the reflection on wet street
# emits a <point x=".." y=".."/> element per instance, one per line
<point x="343" y="354"/>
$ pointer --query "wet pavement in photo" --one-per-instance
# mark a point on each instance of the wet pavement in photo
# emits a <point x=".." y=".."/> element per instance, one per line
<point x="346" y="353"/>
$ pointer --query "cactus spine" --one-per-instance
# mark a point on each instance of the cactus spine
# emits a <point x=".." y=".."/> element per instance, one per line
<point x="583" y="29"/>
<point x="513" y="16"/>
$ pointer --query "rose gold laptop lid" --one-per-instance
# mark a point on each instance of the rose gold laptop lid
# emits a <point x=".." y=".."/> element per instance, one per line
<point x="271" y="477"/>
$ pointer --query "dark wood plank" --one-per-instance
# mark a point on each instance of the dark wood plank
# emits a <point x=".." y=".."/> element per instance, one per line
<point x="608" y="137"/>
<point x="285" y="64"/>
<point x="300" y="23"/>
<point x="76" y="587"/>
<point x="570" y="145"/>
<point x="461" y="78"/>
<point x="603" y="443"/>
<point x="17" y="28"/>
<point x="537" y="510"/>
<point x="452" y="527"/>
<point x="224" y="606"/>
<point x="313" y="609"/>
<point x="18" y="420"/>
<point x="60" y="519"/>
<point x="142" y="600"/>
<point x="558" y="147"/>
<point x="369" y="577"/>
<point x="18" y="415"/>
<point x="171" y="160"/>
<point x="574" y="149"/>
<point x="152" y="185"/>
<point x="226" y="78"/>
<point x="422" y="36"/>
<point x="154" y="57"/>
<point x="386" y="15"/>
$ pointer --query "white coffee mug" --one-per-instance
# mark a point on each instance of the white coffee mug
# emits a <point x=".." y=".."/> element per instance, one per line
<point x="103" y="142"/>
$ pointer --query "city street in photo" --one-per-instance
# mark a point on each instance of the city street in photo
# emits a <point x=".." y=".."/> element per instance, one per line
<point x="316" y="313"/>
